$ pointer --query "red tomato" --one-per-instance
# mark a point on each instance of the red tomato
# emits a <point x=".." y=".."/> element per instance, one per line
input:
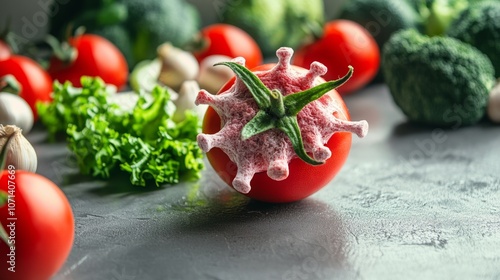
<point x="96" y="57"/>
<point x="229" y="40"/>
<point x="303" y="180"/>
<point x="35" y="82"/>
<point x="343" y="43"/>
<point x="43" y="230"/>
<point x="5" y="51"/>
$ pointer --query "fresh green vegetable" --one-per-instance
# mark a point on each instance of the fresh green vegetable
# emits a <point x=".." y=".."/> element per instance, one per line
<point x="442" y="13"/>
<point x="141" y="140"/>
<point x="479" y="25"/>
<point x="437" y="81"/>
<point x="136" y="27"/>
<point x="381" y="17"/>
<point x="276" y="23"/>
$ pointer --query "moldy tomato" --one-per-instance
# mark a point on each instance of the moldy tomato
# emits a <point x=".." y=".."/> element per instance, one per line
<point x="288" y="178"/>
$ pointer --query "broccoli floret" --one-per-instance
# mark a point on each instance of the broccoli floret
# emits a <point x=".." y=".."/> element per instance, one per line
<point x="479" y="25"/>
<point x="437" y="81"/>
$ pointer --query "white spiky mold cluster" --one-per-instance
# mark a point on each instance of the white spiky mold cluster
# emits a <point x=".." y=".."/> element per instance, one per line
<point x="272" y="150"/>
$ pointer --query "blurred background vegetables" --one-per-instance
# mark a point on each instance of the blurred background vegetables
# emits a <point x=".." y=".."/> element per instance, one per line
<point x="274" y="24"/>
<point x="136" y="27"/>
<point x="440" y="13"/>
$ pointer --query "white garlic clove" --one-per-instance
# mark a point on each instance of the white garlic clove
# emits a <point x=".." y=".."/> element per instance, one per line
<point x="177" y="66"/>
<point x="212" y="78"/>
<point x="14" y="110"/>
<point x="185" y="101"/>
<point x="20" y="152"/>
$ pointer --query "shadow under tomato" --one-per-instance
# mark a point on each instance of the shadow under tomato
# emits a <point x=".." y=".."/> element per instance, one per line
<point x="283" y="238"/>
<point x="408" y="128"/>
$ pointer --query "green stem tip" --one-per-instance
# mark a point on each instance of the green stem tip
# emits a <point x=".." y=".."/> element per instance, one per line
<point x="9" y="83"/>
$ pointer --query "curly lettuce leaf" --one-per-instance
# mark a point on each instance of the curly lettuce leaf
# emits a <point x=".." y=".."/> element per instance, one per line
<point x="73" y="105"/>
<point x="141" y="140"/>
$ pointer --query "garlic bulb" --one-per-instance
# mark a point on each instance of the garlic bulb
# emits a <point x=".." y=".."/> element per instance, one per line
<point x="15" y="111"/>
<point x="177" y="66"/>
<point x="20" y="153"/>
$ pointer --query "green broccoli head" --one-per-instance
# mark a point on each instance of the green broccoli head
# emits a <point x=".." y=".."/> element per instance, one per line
<point x="479" y="25"/>
<point x="438" y="81"/>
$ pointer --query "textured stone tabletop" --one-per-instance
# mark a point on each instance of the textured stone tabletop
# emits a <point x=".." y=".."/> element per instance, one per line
<point x="410" y="203"/>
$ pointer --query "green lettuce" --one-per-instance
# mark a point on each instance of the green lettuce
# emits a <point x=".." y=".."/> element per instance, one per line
<point x="141" y="140"/>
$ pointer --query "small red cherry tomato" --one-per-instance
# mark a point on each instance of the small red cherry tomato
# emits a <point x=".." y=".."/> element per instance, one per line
<point x="343" y="43"/>
<point x="39" y="224"/>
<point x="231" y="41"/>
<point x="36" y="84"/>
<point x="95" y="57"/>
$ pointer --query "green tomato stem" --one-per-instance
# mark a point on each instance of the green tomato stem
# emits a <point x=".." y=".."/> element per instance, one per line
<point x="261" y="94"/>
<point x="62" y="50"/>
<point x="4" y="236"/>
<point x="277" y="104"/>
<point x="9" y="83"/>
